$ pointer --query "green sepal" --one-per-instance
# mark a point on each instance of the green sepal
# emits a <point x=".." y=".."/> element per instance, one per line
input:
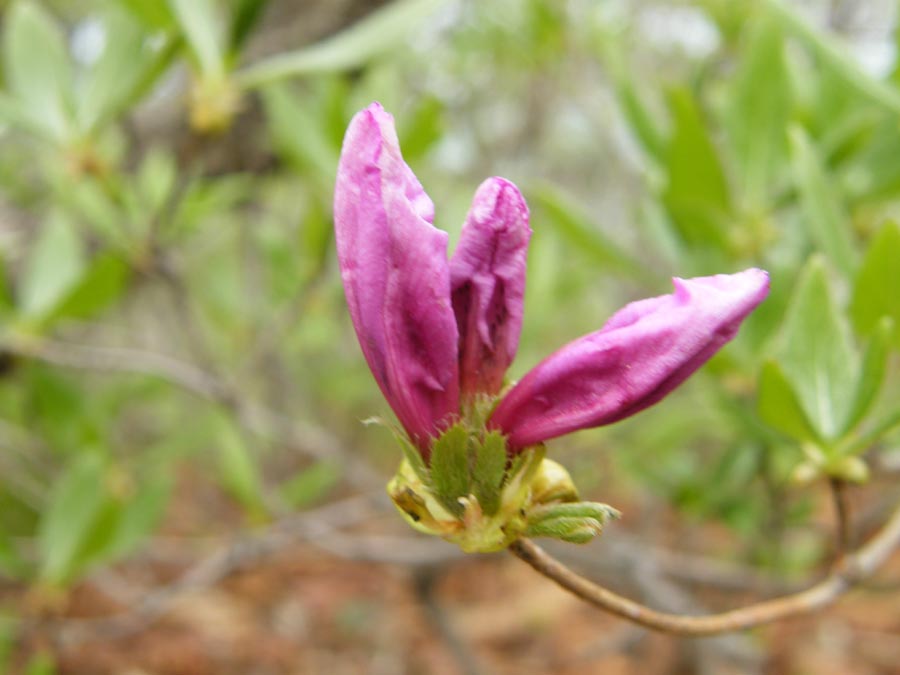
<point x="490" y="469"/>
<point x="594" y="510"/>
<point x="573" y="530"/>
<point x="449" y="467"/>
<point x="412" y="455"/>
<point x="470" y="497"/>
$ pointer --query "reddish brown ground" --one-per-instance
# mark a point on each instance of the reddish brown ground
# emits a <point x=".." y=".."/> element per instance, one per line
<point x="304" y="611"/>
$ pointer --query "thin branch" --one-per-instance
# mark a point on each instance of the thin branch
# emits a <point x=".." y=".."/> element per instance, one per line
<point x="850" y="571"/>
<point x="320" y="526"/>
<point x="308" y="438"/>
<point x="120" y="359"/>
<point x="842" y="516"/>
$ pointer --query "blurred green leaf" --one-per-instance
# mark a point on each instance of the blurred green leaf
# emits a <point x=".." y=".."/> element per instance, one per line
<point x="37" y="67"/>
<point x="55" y="265"/>
<point x="758" y="121"/>
<point x="422" y="128"/>
<point x="824" y="212"/>
<point x="310" y="485"/>
<point x="117" y="78"/>
<point x="152" y="13"/>
<point x="696" y="194"/>
<point x="10" y="563"/>
<point x="641" y="119"/>
<point x="238" y="470"/>
<point x="245" y="17"/>
<point x="816" y="353"/>
<point x="14" y="112"/>
<point x="873" y="174"/>
<point x="875" y="292"/>
<point x="871" y="375"/>
<point x="199" y="22"/>
<point x="296" y="127"/>
<point x="382" y="30"/>
<point x="103" y="283"/>
<point x="778" y="405"/>
<point x="582" y="235"/>
<point x="139" y="514"/>
<point x="156" y="181"/>
<point x="836" y="58"/>
<point x="40" y="664"/>
<point x="75" y="506"/>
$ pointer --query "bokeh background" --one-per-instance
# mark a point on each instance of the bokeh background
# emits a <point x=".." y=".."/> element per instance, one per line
<point x="186" y="484"/>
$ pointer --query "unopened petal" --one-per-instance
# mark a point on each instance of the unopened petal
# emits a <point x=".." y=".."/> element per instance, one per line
<point x="643" y="352"/>
<point x="396" y="276"/>
<point x="487" y="275"/>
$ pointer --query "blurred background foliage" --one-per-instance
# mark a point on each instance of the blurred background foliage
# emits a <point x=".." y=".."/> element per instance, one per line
<point x="172" y="324"/>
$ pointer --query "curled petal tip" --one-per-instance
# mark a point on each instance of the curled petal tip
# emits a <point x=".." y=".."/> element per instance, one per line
<point x="643" y="352"/>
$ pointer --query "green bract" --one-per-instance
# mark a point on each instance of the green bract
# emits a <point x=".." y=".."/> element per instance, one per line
<point x="473" y="496"/>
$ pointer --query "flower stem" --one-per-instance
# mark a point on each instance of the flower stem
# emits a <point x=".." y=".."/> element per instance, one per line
<point x="848" y="572"/>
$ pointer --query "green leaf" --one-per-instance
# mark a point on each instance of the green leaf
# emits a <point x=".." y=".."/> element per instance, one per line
<point x="824" y="213"/>
<point x="37" y="67"/>
<point x="490" y="469"/>
<point x="696" y="195"/>
<point x="139" y="515"/>
<point x="836" y="58"/>
<point x="156" y="180"/>
<point x="875" y="293"/>
<point x="15" y="113"/>
<point x="422" y="128"/>
<point x="75" y="505"/>
<point x="574" y="226"/>
<point x="778" y="405"/>
<point x="118" y="77"/>
<point x="449" y="467"/>
<point x="873" y="174"/>
<point x="871" y="375"/>
<point x="152" y="13"/>
<point x="641" y="120"/>
<point x="199" y="21"/>
<point x="103" y="283"/>
<point x="245" y="17"/>
<point x="758" y="122"/>
<point x="238" y="470"/>
<point x="10" y="563"/>
<point x="55" y="264"/>
<point x="41" y="664"/>
<point x="382" y="30"/>
<point x="297" y="128"/>
<point x="816" y="353"/>
<point x="310" y="485"/>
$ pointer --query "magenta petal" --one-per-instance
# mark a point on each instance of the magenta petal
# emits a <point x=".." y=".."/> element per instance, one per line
<point x="396" y="276"/>
<point x="487" y="277"/>
<point x="643" y="352"/>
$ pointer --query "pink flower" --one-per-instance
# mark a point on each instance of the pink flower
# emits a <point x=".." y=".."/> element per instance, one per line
<point x="437" y="334"/>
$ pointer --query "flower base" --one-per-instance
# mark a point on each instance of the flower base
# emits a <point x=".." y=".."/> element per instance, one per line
<point x="472" y="496"/>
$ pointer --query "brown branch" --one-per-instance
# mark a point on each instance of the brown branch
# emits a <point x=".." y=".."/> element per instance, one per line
<point x="306" y="437"/>
<point x="318" y="526"/>
<point x="842" y="516"/>
<point x="850" y="571"/>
